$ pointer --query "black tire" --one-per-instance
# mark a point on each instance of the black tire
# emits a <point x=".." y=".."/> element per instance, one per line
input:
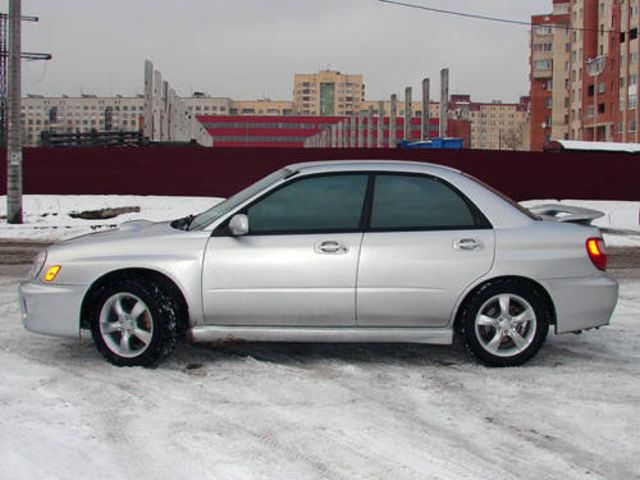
<point x="484" y="325"/>
<point x="158" y="322"/>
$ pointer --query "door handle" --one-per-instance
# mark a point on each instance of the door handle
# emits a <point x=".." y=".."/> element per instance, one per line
<point x="467" y="244"/>
<point x="331" y="246"/>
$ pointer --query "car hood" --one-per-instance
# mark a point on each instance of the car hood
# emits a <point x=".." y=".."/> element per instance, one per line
<point x="126" y="231"/>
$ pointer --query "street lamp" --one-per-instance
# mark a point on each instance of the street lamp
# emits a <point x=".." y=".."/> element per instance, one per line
<point x="595" y="67"/>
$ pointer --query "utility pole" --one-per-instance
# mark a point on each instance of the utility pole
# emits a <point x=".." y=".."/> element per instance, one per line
<point x="14" y="143"/>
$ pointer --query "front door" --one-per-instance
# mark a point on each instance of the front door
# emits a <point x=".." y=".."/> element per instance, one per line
<point x="298" y="264"/>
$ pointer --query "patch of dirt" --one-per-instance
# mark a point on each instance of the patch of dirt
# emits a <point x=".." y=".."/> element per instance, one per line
<point x="103" y="213"/>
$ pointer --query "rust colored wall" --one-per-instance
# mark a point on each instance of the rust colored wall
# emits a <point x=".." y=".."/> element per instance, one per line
<point x="222" y="171"/>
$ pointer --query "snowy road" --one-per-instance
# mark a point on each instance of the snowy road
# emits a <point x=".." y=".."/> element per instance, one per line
<point x="320" y="411"/>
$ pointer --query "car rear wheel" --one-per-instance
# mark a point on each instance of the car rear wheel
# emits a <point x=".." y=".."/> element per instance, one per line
<point x="505" y="323"/>
<point x="134" y="322"/>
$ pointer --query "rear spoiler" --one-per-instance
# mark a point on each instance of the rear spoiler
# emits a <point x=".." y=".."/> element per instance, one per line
<point x="566" y="213"/>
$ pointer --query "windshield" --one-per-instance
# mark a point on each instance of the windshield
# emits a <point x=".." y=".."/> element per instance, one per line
<point x="208" y="216"/>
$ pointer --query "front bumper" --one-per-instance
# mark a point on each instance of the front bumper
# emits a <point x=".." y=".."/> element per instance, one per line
<point x="582" y="303"/>
<point x="51" y="309"/>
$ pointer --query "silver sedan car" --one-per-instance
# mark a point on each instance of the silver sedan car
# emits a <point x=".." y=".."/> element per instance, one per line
<point x="349" y="251"/>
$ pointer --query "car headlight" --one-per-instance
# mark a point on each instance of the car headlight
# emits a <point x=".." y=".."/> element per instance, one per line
<point x="38" y="263"/>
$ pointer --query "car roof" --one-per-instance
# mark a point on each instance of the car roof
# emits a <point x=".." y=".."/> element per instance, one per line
<point x="376" y="165"/>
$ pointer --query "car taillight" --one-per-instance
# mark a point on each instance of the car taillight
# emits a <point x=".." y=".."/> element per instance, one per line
<point x="596" y="251"/>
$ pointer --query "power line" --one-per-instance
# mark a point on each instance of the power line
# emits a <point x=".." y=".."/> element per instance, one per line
<point x="489" y="18"/>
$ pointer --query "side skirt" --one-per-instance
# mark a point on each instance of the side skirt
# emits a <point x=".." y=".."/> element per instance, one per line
<point x="436" y="336"/>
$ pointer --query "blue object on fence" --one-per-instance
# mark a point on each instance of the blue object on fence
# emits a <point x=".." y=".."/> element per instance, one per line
<point x="434" y="144"/>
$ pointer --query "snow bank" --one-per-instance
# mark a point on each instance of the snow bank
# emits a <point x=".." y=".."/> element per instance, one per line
<point x="46" y="217"/>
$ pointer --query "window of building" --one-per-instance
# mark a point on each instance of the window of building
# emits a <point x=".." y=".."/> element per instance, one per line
<point x="632" y="125"/>
<point x="632" y="102"/>
<point x="633" y="33"/>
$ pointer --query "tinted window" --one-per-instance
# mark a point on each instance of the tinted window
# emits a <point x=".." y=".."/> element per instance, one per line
<point x="327" y="203"/>
<point x="417" y="202"/>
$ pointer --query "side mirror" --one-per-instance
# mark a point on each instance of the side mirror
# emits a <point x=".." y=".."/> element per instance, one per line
<point x="239" y="225"/>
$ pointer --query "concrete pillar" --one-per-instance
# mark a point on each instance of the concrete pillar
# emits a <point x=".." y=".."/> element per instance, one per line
<point x="370" y="127"/>
<point x="352" y="131"/>
<point x="380" y="142"/>
<point x="339" y="135"/>
<point x="444" y="101"/>
<point x="157" y="105"/>
<point x="148" y="99"/>
<point x="345" y="133"/>
<point x="392" y="121"/>
<point x="407" y="113"/>
<point x="426" y="114"/>
<point x="361" y="129"/>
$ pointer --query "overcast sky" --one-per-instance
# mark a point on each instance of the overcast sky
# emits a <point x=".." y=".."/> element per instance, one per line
<point x="247" y="49"/>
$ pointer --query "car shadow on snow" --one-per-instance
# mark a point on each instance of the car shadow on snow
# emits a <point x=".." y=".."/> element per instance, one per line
<point x="554" y="353"/>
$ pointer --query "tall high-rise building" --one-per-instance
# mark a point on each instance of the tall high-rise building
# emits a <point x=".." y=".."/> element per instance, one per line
<point x="584" y="72"/>
<point x="550" y="71"/>
<point x="327" y="93"/>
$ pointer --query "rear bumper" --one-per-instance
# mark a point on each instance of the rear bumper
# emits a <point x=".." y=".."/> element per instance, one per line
<point x="582" y="303"/>
<point x="51" y="309"/>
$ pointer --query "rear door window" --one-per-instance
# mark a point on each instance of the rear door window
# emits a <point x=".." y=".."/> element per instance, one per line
<point x="419" y="202"/>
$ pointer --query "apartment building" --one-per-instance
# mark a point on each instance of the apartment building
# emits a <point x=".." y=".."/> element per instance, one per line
<point x="584" y="72"/>
<point x="79" y="114"/>
<point x="550" y="75"/>
<point x="499" y="126"/>
<point x="262" y="107"/>
<point x="327" y="93"/>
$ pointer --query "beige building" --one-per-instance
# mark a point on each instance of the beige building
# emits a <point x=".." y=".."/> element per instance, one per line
<point x="262" y="107"/>
<point x="494" y="125"/>
<point x="327" y="93"/>
<point x="79" y="114"/>
<point x="200" y="104"/>
<point x="416" y="108"/>
<point x="499" y="126"/>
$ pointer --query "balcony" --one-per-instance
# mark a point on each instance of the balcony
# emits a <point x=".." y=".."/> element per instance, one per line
<point x="540" y="73"/>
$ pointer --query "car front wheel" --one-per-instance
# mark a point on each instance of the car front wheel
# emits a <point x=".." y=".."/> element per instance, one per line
<point x="134" y="323"/>
<point x="505" y="323"/>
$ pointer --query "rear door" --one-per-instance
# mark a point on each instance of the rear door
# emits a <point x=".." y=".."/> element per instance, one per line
<point x="426" y="242"/>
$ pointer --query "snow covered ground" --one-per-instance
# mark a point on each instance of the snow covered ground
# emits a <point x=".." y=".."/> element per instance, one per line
<point x="47" y="219"/>
<point x="254" y="411"/>
<point x="279" y="411"/>
<point x="47" y="216"/>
